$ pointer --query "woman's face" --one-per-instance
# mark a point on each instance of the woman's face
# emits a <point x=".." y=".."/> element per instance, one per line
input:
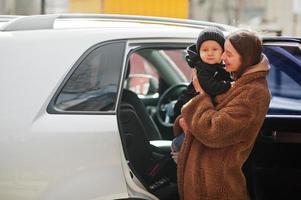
<point x="231" y="58"/>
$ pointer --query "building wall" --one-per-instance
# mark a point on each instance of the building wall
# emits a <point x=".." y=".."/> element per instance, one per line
<point x="32" y="7"/>
<point x="87" y="6"/>
<point x="163" y="8"/>
<point x="27" y="7"/>
<point x="269" y="15"/>
<point x="24" y="7"/>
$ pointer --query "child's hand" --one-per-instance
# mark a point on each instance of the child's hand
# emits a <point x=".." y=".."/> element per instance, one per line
<point x="196" y="83"/>
<point x="183" y="125"/>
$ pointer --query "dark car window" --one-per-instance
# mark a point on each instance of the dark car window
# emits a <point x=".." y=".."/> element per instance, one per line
<point x="93" y="85"/>
<point x="284" y="79"/>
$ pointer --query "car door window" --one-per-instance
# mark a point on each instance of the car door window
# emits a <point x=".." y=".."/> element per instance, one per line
<point x="94" y="83"/>
<point x="178" y="57"/>
<point x="150" y="69"/>
<point x="284" y="79"/>
<point x="142" y="74"/>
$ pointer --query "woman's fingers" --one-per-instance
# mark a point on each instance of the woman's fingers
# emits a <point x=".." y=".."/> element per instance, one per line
<point x="174" y="155"/>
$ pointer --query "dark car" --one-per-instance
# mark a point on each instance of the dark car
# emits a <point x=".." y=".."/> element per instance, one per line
<point x="274" y="166"/>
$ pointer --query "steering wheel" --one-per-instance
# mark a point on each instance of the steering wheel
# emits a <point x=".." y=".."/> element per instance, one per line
<point x="167" y="102"/>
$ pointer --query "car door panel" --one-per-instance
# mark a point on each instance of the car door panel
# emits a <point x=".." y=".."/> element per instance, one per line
<point x="275" y="163"/>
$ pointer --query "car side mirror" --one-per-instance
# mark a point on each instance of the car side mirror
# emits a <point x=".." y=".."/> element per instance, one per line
<point x="143" y="84"/>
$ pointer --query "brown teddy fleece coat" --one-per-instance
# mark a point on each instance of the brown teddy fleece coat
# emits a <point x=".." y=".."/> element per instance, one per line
<point x="221" y="137"/>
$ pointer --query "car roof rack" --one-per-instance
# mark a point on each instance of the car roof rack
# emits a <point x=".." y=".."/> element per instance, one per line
<point x="6" y="18"/>
<point x="38" y="22"/>
<point x="33" y="22"/>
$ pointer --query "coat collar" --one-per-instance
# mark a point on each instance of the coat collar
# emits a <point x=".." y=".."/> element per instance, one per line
<point x="263" y="65"/>
<point x="259" y="70"/>
<point x="254" y="73"/>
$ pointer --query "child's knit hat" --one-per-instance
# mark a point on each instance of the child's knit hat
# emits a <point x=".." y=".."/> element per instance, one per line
<point x="210" y="33"/>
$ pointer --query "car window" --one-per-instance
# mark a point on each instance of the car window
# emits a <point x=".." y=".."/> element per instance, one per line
<point x="142" y="72"/>
<point x="153" y="69"/>
<point x="93" y="85"/>
<point x="284" y="79"/>
<point x="178" y="57"/>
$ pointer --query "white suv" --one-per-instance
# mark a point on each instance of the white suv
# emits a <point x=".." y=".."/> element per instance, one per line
<point x="86" y="105"/>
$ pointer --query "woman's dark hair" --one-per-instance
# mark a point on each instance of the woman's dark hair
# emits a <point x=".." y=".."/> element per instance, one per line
<point x="249" y="46"/>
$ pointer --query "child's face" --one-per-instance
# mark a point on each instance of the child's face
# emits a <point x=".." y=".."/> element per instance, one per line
<point x="211" y="52"/>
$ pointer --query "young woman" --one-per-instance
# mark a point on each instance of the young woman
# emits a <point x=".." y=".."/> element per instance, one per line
<point x="220" y="135"/>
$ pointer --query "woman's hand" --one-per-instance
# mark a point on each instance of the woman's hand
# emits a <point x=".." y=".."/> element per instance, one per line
<point x="183" y="125"/>
<point x="195" y="82"/>
<point x="175" y="155"/>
